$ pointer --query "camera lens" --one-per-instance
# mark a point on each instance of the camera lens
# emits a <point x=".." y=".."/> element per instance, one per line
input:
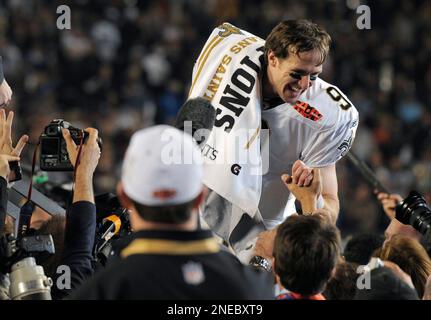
<point x="28" y="281"/>
<point x="415" y="212"/>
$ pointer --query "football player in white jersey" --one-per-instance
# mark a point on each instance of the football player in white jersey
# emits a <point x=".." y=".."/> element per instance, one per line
<point x="312" y="125"/>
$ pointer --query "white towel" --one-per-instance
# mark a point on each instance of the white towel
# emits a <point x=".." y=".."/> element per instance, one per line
<point x="227" y="73"/>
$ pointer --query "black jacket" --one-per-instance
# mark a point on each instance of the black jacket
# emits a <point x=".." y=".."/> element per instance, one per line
<point x="176" y="265"/>
<point x="78" y="246"/>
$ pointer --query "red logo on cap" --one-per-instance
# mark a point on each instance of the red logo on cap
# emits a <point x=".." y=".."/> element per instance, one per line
<point x="164" y="194"/>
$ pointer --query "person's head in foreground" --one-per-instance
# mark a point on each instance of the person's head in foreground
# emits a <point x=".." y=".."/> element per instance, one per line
<point x="384" y="284"/>
<point x="411" y="257"/>
<point x="306" y="250"/>
<point x="161" y="181"/>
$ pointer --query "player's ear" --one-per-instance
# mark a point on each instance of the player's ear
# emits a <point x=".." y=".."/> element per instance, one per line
<point x="272" y="59"/>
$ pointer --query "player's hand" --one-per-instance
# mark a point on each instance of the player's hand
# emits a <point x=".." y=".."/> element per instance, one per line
<point x="301" y="174"/>
<point x="306" y="195"/>
<point x="389" y="202"/>
<point x="5" y="93"/>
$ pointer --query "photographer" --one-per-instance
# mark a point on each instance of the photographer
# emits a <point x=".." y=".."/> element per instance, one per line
<point x="409" y="217"/>
<point x="77" y="234"/>
<point x="81" y="215"/>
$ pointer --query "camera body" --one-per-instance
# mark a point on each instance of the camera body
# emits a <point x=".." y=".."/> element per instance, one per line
<point x="53" y="154"/>
<point x="13" y="249"/>
<point x="17" y="257"/>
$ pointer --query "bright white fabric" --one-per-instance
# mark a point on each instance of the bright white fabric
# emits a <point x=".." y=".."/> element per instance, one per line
<point x="242" y="189"/>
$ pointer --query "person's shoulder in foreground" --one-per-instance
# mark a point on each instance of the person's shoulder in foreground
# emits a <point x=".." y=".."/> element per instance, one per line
<point x="150" y="268"/>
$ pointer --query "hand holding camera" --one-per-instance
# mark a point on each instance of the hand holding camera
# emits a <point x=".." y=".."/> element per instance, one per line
<point x="389" y="202"/>
<point x="55" y="151"/>
<point x="84" y="159"/>
<point x="90" y="151"/>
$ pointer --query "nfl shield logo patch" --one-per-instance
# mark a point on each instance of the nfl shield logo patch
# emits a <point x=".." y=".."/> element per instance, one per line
<point x="193" y="273"/>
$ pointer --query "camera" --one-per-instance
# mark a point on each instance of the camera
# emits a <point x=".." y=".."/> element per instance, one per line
<point x="18" y="258"/>
<point x="53" y="154"/>
<point x="29" y="282"/>
<point x="414" y="211"/>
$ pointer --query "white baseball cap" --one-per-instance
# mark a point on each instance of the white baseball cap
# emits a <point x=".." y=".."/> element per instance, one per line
<point x="162" y="166"/>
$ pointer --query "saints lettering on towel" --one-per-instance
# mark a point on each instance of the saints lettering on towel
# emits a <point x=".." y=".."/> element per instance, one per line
<point x="236" y="94"/>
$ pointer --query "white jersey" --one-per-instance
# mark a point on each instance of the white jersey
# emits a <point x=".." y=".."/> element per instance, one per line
<point x="319" y="134"/>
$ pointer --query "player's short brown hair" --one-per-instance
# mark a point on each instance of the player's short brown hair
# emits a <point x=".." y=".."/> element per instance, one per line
<point x="296" y="36"/>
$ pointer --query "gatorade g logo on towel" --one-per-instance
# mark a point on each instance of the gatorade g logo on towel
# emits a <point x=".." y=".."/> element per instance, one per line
<point x="235" y="169"/>
<point x="228" y="29"/>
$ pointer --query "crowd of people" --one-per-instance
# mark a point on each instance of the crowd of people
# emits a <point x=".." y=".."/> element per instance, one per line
<point x="125" y="69"/>
<point x="127" y="64"/>
<point x="168" y="256"/>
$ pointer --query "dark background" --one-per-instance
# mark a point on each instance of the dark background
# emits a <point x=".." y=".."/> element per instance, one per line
<point x="127" y="64"/>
